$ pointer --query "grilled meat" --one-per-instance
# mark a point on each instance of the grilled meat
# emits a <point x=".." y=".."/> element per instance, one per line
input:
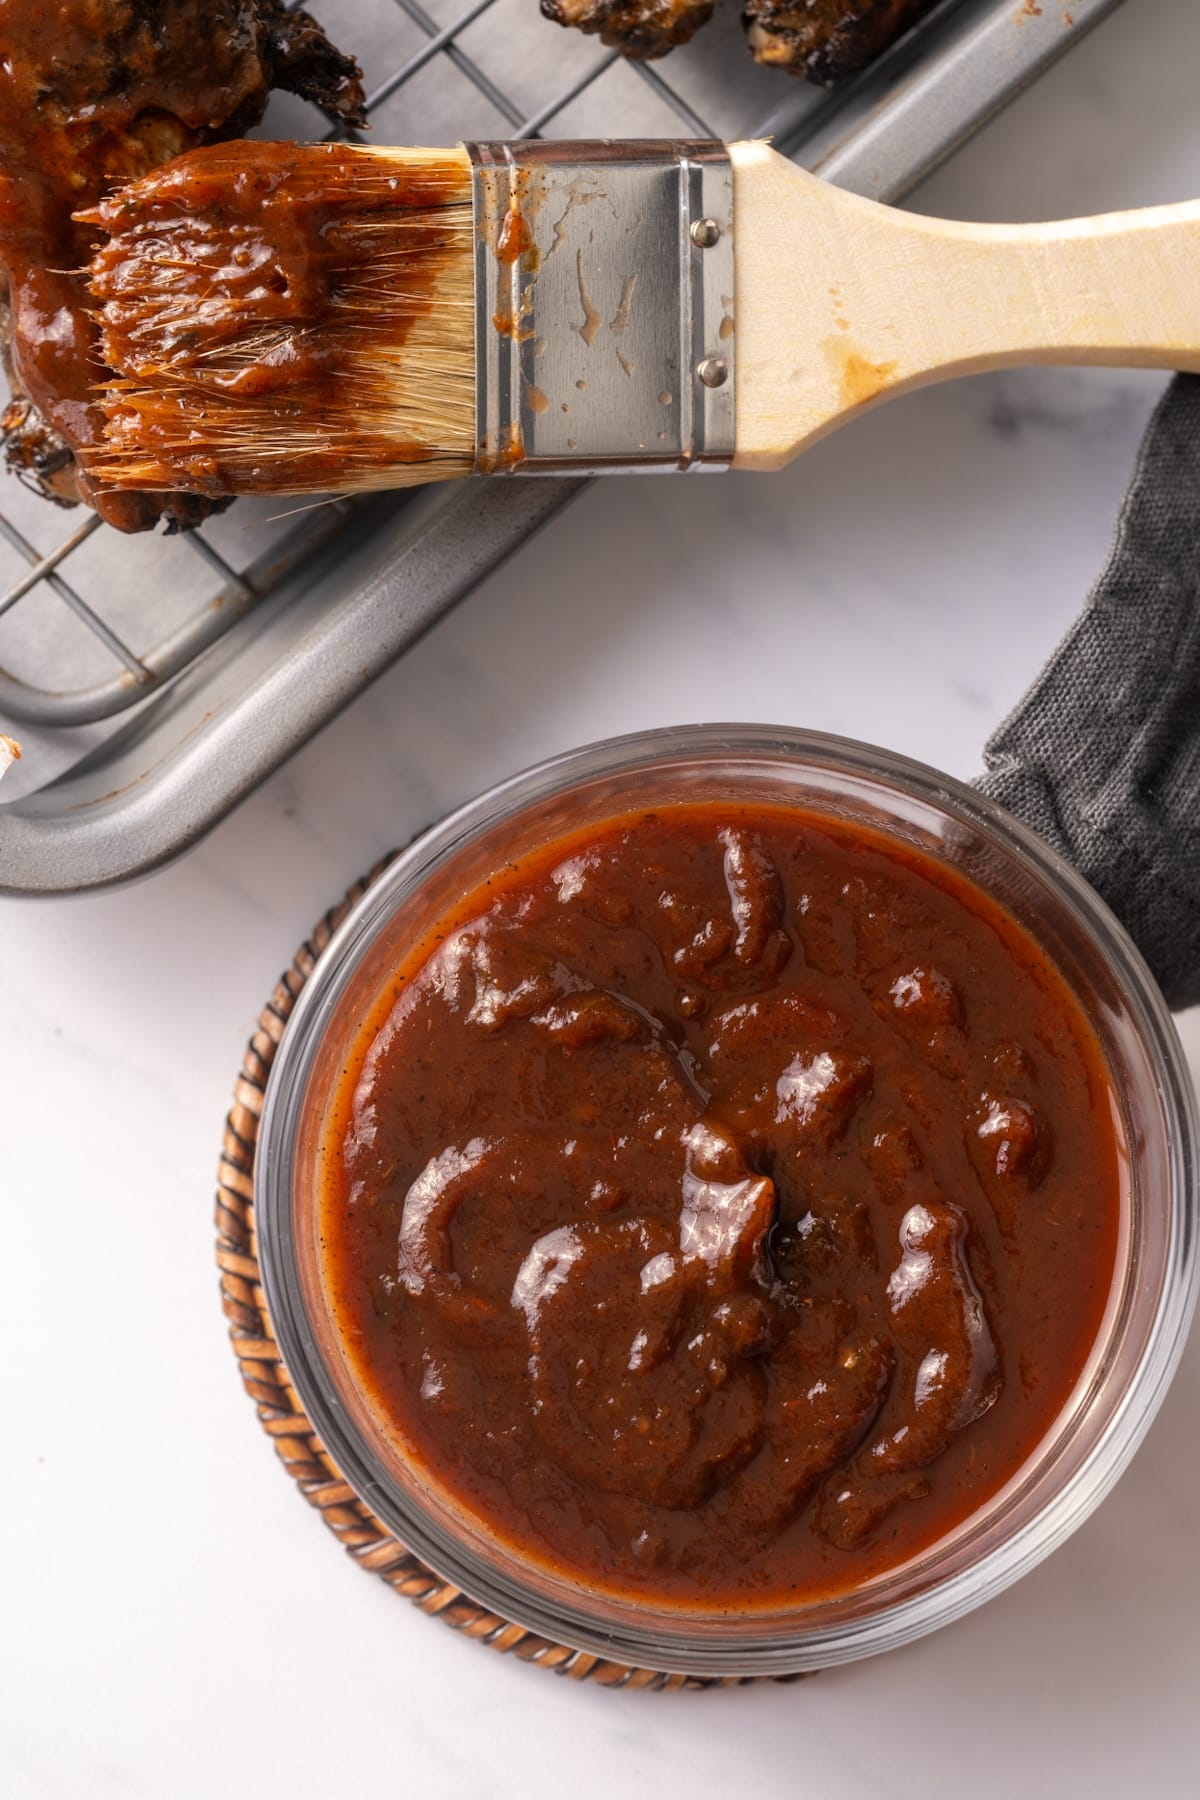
<point x="93" y="93"/>
<point x="641" y="28"/>
<point x="826" y="40"/>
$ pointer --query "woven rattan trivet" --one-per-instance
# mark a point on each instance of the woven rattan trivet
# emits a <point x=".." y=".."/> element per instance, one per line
<point x="279" y="1411"/>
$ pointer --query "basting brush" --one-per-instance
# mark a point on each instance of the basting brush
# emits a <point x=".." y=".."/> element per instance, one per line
<point x="289" y="319"/>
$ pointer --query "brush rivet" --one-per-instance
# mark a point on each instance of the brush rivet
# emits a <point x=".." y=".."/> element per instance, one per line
<point x="713" y="371"/>
<point x="705" y="233"/>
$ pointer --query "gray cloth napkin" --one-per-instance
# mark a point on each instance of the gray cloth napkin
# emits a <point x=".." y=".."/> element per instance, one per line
<point x="1102" y="756"/>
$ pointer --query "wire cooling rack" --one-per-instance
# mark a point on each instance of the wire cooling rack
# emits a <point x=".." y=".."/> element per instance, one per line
<point x="493" y="68"/>
<point x="94" y="626"/>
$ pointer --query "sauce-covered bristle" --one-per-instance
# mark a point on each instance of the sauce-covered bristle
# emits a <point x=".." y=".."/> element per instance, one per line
<point x="288" y="319"/>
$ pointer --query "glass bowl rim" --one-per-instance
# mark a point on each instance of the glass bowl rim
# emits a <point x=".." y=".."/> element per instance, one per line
<point x="503" y="1593"/>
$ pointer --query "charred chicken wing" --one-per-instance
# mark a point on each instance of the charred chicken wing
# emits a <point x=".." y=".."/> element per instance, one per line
<point x="93" y="93"/>
<point x="826" y="40"/>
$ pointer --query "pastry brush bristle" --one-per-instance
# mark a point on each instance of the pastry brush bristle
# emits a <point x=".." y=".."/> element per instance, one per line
<point x="287" y="319"/>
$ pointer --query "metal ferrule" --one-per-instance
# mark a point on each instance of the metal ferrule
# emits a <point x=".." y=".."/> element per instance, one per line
<point x="603" y="307"/>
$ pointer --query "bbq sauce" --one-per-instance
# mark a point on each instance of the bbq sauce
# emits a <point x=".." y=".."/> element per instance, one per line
<point x="242" y="302"/>
<point x="721" y="1204"/>
<point x="93" y="95"/>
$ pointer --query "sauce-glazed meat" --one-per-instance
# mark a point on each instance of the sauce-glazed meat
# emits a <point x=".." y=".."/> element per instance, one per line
<point x="641" y="28"/>
<point x="93" y="93"/>
<point x="826" y="40"/>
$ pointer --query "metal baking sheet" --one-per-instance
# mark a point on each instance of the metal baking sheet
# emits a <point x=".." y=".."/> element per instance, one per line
<point x="154" y="682"/>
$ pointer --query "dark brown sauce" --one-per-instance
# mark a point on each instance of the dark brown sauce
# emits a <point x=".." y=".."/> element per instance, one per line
<point x="91" y="95"/>
<point x="722" y="1203"/>
<point x="263" y="301"/>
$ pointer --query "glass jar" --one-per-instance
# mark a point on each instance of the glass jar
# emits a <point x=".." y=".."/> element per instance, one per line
<point x="1154" y="1286"/>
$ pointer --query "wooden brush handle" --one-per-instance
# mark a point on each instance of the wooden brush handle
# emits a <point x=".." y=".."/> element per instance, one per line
<point x="842" y="303"/>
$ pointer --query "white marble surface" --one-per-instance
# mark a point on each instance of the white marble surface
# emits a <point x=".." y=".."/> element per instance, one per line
<point x="176" y="1623"/>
